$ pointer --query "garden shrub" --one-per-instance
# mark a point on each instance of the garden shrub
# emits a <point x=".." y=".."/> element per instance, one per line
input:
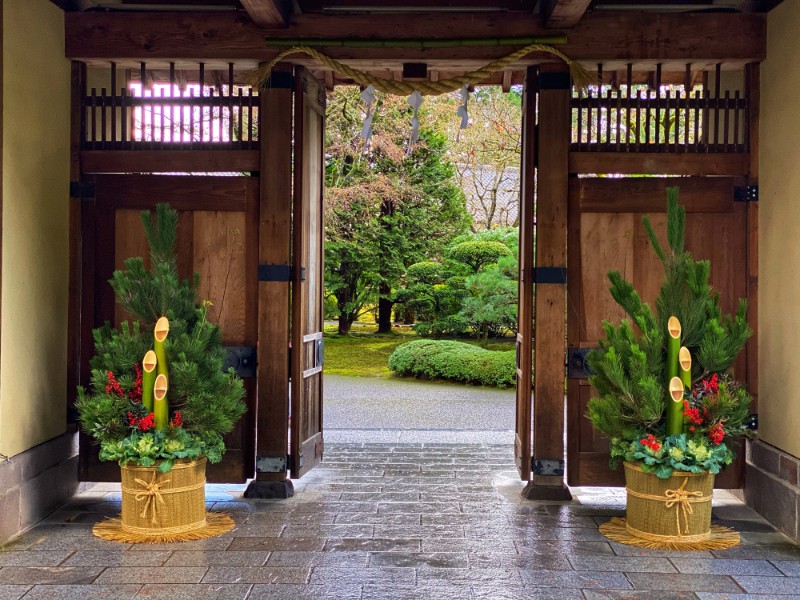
<point x="455" y="361"/>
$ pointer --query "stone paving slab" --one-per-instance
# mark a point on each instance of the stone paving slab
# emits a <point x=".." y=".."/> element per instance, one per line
<point x="422" y="521"/>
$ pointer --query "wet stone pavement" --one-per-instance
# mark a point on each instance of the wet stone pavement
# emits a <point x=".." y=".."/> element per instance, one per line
<point x="396" y="522"/>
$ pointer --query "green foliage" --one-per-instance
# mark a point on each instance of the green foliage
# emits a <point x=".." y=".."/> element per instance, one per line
<point x="490" y="306"/>
<point x="386" y="209"/>
<point x="692" y="454"/>
<point x="629" y="370"/>
<point x="455" y="361"/>
<point x="208" y="399"/>
<point x="478" y="253"/>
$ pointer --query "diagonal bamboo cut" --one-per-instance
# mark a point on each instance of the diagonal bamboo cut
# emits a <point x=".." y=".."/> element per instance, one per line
<point x="148" y="379"/>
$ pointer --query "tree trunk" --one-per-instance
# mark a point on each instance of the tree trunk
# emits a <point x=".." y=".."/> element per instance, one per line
<point x="345" y="322"/>
<point x="409" y="316"/>
<point x="384" y="310"/>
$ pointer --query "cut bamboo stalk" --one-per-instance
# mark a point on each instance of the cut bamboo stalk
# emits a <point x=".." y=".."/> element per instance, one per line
<point x="160" y="405"/>
<point x="685" y="366"/>
<point x="148" y="379"/>
<point x="674" y="414"/>
<point x="160" y="335"/>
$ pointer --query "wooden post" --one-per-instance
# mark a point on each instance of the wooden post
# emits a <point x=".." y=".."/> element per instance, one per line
<point x="752" y="86"/>
<point x="272" y="413"/>
<point x="551" y="256"/>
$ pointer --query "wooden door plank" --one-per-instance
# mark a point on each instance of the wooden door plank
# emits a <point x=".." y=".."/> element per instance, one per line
<point x="306" y="390"/>
<point x="524" y="397"/>
<point x="266" y="13"/>
<point x="169" y="161"/>
<point x="551" y="251"/>
<point x="564" y="13"/>
<point x="647" y="194"/>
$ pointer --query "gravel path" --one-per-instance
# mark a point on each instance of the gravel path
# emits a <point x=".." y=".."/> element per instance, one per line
<point x="360" y="409"/>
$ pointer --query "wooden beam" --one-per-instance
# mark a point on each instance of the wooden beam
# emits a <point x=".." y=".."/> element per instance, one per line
<point x="169" y="161"/>
<point x="559" y="14"/>
<point x="623" y="36"/>
<point x="266" y="13"/>
<point x="653" y="163"/>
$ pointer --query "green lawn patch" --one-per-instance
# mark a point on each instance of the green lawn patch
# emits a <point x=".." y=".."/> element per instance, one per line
<point x="364" y="353"/>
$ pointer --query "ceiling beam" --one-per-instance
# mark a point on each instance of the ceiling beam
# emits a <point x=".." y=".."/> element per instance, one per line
<point x="563" y="14"/>
<point x="598" y="37"/>
<point x="266" y="13"/>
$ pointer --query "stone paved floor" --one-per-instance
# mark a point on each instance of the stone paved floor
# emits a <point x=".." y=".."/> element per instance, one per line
<point x="382" y="522"/>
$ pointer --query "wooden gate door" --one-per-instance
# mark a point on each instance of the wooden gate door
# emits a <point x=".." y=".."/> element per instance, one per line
<point x="218" y="239"/>
<point x="522" y="440"/>
<point x="307" y="277"/>
<point x="605" y="232"/>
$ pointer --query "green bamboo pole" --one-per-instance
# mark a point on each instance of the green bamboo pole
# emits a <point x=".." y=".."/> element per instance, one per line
<point x="148" y="379"/>
<point x="160" y="404"/>
<point x="160" y="335"/>
<point x="674" y="415"/>
<point x="685" y="373"/>
<point x="675" y="406"/>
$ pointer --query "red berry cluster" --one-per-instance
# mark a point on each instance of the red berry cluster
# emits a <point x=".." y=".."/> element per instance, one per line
<point x="136" y="393"/>
<point x="716" y="433"/>
<point x="711" y="386"/>
<point x="113" y="385"/>
<point x="651" y="442"/>
<point x="143" y="424"/>
<point x="177" y="420"/>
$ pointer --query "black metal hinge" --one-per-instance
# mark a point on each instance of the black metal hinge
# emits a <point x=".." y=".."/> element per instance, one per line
<point x="271" y="464"/>
<point x="547" y="466"/>
<point x="550" y="275"/>
<point x="280" y="80"/>
<point x="745" y="193"/>
<point x="576" y="363"/>
<point x="555" y="81"/>
<point x="81" y="189"/>
<point x="241" y="359"/>
<point x="279" y="273"/>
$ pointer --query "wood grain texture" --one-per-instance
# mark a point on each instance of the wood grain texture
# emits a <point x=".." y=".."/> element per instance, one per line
<point x="265" y="13"/>
<point x="522" y="446"/>
<point x="306" y="391"/>
<point x="551" y="251"/>
<point x="275" y="217"/>
<point x="637" y="163"/>
<point x="623" y="36"/>
<point x="169" y="161"/>
<point x="564" y="13"/>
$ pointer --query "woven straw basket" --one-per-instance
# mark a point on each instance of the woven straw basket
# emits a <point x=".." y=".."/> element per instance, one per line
<point x="675" y="510"/>
<point x="159" y="504"/>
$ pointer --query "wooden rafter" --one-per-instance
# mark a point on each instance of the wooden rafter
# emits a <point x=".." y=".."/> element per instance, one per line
<point x="266" y="13"/>
<point x="560" y="14"/>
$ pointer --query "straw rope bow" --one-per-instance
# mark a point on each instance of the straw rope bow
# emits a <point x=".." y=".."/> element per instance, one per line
<point x="678" y="498"/>
<point x="151" y="494"/>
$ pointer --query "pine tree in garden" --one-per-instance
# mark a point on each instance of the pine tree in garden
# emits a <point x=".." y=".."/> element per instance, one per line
<point x="204" y="401"/>
<point x="630" y="368"/>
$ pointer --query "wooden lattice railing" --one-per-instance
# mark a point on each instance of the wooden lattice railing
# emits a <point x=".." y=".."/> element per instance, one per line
<point x="170" y="115"/>
<point x="659" y="118"/>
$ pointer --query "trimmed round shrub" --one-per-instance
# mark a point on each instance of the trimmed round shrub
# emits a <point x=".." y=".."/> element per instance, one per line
<point x="455" y="361"/>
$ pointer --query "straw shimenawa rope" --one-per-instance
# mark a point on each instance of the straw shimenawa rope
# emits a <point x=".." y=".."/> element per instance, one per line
<point x="581" y="77"/>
